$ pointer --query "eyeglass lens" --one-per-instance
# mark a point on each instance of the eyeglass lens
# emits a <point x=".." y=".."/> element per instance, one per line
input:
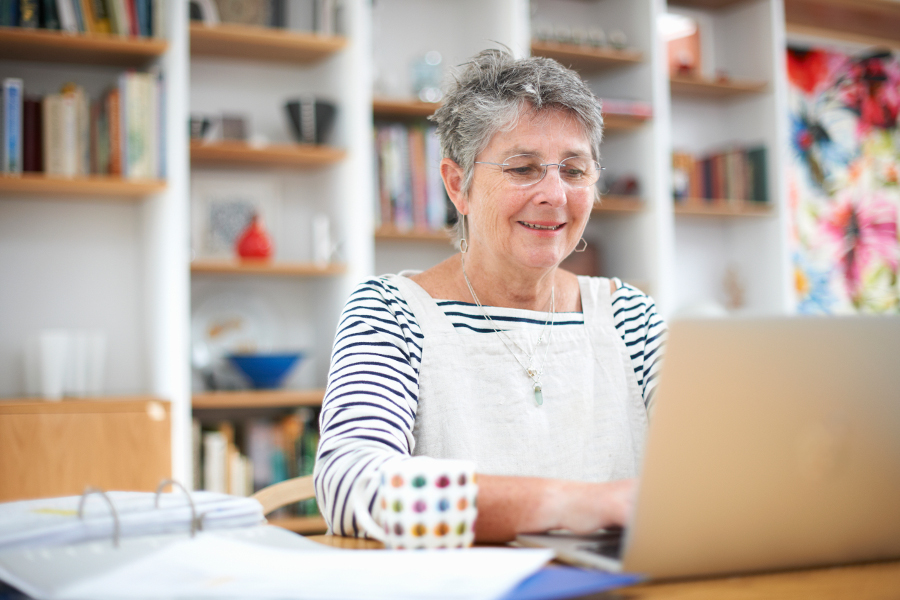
<point x="527" y="169"/>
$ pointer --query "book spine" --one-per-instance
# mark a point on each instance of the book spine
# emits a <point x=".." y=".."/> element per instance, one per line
<point x="418" y="185"/>
<point x="158" y="8"/>
<point x="83" y="120"/>
<point x="87" y="14"/>
<point x="32" y="129"/>
<point x="48" y="15"/>
<point x="29" y="14"/>
<point x="68" y="135"/>
<point x="66" y="13"/>
<point x="400" y="184"/>
<point x="131" y="18"/>
<point x="101" y="16"/>
<point x="12" y="125"/>
<point x="161" y="137"/>
<point x="114" y="124"/>
<point x="9" y="13"/>
<point x="215" y="450"/>
<point x="79" y="16"/>
<point x="437" y="201"/>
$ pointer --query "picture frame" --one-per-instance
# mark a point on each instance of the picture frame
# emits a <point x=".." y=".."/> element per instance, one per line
<point x="221" y="209"/>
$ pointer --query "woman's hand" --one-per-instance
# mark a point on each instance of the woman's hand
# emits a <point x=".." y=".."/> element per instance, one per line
<point x="508" y="506"/>
<point x="587" y="507"/>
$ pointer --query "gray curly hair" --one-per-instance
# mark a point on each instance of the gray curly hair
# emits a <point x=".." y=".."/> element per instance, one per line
<point x="493" y="90"/>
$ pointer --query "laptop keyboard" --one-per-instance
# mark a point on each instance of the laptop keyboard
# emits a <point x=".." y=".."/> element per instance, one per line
<point x="608" y="544"/>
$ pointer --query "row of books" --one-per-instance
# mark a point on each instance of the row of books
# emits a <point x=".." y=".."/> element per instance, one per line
<point x="66" y="134"/>
<point x="121" y="17"/>
<point x="242" y="457"/>
<point x="735" y="175"/>
<point x="410" y="190"/>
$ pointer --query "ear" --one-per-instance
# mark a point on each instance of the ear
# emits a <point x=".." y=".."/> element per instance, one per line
<point x="453" y="176"/>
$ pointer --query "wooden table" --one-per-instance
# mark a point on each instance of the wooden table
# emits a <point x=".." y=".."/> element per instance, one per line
<point x="872" y="581"/>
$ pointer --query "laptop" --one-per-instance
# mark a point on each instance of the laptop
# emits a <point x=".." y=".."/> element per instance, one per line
<point x="774" y="444"/>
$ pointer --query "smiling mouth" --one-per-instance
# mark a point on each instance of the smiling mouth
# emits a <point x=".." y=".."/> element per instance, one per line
<point x="541" y="227"/>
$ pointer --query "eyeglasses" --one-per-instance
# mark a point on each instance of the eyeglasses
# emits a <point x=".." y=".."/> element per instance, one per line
<point x="527" y="169"/>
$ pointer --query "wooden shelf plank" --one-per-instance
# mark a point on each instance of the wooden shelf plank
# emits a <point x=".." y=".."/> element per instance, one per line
<point x="706" y="4"/>
<point x="586" y="59"/>
<point x="618" y="204"/>
<point x="94" y="404"/>
<point x="400" y="108"/>
<point x="234" y="266"/>
<point x="871" y="22"/>
<point x="237" y="153"/>
<point x="620" y="122"/>
<point x="257" y="399"/>
<point x="229" y="40"/>
<point x="301" y="525"/>
<point x="723" y="208"/>
<point x="391" y="233"/>
<point x="709" y="88"/>
<point x="43" y="45"/>
<point x="100" y="186"/>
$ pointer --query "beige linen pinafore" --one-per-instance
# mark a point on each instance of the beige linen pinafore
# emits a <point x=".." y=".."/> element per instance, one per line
<point x="477" y="403"/>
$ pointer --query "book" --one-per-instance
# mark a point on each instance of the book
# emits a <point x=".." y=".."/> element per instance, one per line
<point x="100" y="16"/>
<point x="9" y="13"/>
<point x="418" y="183"/>
<point x="80" y="21"/>
<point x="67" y="19"/>
<point x="759" y="184"/>
<point x="48" y="15"/>
<point x="29" y="15"/>
<point x="11" y="128"/>
<point x="215" y="448"/>
<point x="114" y="129"/>
<point x="32" y="136"/>
<point x="437" y="196"/>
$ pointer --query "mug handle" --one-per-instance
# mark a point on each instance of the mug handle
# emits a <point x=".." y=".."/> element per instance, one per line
<point x="361" y="511"/>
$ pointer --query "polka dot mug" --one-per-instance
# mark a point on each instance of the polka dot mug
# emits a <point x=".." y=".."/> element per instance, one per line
<point x="421" y="502"/>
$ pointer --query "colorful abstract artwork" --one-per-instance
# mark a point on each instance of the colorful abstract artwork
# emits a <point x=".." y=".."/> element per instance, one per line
<point x="844" y="181"/>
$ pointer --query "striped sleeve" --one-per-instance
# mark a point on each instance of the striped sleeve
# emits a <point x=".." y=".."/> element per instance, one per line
<point x="370" y="402"/>
<point x="644" y="332"/>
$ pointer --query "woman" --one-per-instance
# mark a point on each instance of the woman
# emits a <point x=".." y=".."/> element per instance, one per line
<point x="497" y="355"/>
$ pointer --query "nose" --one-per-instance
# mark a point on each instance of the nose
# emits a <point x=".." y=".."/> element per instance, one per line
<point x="553" y="188"/>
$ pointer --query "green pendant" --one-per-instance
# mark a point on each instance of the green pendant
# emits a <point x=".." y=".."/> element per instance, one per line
<point x="538" y="395"/>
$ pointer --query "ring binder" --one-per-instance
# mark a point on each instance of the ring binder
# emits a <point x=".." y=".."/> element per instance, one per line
<point x="196" y="522"/>
<point x="112" y="507"/>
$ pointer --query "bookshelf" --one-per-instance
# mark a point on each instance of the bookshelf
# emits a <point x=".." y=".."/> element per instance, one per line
<point x="230" y="153"/>
<point x="610" y="204"/>
<point x="586" y="59"/>
<point x="91" y="186"/>
<point x="235" y="266"/>
<point x="41" y="45"/>
<point x="701" y="208"/>
<point x="257" y="399"/>
<point x="247" y="42"/>
<point x="99" y="252"/>
<point x="711" y="88"/>
<point x="402" y="108"/>
<point x="869" y="22"/>
<point x="389" y="232"/>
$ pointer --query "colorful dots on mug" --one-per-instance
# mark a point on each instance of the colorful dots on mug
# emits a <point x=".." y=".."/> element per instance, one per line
<point x="442" y="481"/>
<point x="441" y="529"/>
<point x="462" y="479"/>
<point x="398" y="529"/>
<point x="462" y="504"/>
<point x="461" y="528"/>
<point x="384" y="504"/>
<point x="397" y="481"/>
<point x="420" y="506"/>
<point x="419" y="530"/>
<point x="419" y="481"/>
<point x="443" y="504"/>
<point x="397" y="506"/>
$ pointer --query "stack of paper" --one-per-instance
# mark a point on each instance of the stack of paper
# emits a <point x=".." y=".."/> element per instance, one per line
<point x="55" y="521"/>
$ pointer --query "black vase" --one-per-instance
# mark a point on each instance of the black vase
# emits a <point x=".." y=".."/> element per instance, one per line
<point x="311" y="120"/>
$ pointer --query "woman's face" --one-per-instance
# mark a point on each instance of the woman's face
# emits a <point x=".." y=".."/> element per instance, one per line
<point x="534" y="226"/>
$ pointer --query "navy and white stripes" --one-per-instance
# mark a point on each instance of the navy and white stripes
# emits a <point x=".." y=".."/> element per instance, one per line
<point x="370" y="404"/>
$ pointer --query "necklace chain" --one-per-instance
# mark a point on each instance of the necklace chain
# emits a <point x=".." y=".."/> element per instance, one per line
<point x="534" y="373"/>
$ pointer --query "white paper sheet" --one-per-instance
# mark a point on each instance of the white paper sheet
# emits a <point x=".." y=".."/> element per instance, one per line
<point x="211" y="567"/>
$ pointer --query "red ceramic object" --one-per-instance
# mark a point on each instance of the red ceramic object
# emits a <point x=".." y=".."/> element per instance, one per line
<point x="255" y="241"/>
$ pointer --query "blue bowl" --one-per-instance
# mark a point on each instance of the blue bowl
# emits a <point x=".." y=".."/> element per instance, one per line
<point x="266" y="371"/>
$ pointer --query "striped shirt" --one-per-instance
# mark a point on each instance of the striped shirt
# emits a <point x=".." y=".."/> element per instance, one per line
<point x="370" y="403"/>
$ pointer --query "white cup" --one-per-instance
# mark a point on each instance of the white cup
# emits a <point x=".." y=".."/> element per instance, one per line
<point x="46" y="359"/>
<point x="421" y="502"/>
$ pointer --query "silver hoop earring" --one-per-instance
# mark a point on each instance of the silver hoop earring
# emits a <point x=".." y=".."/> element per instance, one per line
<point x="583" y="245"/>
<point x="463" y="244"/>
